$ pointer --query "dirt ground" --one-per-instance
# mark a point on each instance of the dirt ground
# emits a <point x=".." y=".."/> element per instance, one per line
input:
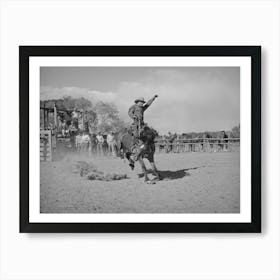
<point x="192" y="183"/>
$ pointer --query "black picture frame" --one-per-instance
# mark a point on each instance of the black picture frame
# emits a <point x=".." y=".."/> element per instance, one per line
<point x="25" y="52"/>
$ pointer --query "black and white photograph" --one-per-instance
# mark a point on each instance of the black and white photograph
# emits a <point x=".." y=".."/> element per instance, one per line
<point x="139" y="139"/>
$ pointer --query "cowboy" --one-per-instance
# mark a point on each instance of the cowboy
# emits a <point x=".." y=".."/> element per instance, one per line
<point x="136" y="112"/>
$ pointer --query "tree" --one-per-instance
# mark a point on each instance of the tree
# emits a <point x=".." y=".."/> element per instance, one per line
<point x="108" y="117"/>
<point x="68" y="103"/>
<point x="235" y="132"/>
<point x="101" y="116"/>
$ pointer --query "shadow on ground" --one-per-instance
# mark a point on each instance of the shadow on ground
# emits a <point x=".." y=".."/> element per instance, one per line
<point x="171" y="175"/>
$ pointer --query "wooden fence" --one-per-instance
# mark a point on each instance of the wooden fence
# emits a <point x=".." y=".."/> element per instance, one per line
<point x="198" y="145"/>
<point x="46" y="146"/>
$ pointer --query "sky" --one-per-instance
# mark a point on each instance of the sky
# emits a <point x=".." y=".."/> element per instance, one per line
<point x="191" y="99"/>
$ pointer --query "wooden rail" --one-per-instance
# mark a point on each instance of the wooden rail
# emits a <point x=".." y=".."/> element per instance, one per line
<point x="187" y="140"/>
<point x="198" y="145"/>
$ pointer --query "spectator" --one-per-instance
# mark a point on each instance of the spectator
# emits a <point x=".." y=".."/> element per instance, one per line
<point x="100" y="142"/>
<point x="85" y="142"/>
<point x="75" y="117"/>
<point x="81" y="121"/>
<point x="59" y="123"/>
<point x="78" y="141"/>
<point x="177" y="144"/>
<point x="93" y="143"/>
<point x="72" y="132"/>
<point x="111" y="143"/>
<point x="223" y="143"/>
<point x="75" y="114"/>
<point x="64" y="129"/>
<point x="91" y="128"/>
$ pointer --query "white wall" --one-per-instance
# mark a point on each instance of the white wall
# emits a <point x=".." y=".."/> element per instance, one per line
<point x="146" y="256"/>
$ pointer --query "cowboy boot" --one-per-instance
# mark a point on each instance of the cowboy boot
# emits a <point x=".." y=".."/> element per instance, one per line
<point x="140" y="148"/>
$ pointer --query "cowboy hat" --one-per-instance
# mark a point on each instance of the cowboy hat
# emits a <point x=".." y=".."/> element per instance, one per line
<point x="140" y="99"/>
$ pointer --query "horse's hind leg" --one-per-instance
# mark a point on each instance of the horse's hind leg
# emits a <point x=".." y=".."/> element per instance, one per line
<point x="154" y="168"/>
<point x="146" y="178"/>
<point x="131" y="161"/>
<point x="155" y="171"/>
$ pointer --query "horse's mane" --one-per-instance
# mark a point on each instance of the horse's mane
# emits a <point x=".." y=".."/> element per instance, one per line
<point x="148" y="134"/>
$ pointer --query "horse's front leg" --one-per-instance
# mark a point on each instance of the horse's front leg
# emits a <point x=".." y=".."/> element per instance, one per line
<point x="141" y="161"/>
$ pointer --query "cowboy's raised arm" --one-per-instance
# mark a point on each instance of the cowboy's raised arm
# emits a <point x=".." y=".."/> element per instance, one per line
<point x="148" y="103"/>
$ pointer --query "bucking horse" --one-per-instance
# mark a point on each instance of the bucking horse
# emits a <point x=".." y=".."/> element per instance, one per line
<point x="127" y="142"/>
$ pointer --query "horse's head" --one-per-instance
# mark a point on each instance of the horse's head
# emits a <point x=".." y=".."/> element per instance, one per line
<point x="148" y="134"/>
